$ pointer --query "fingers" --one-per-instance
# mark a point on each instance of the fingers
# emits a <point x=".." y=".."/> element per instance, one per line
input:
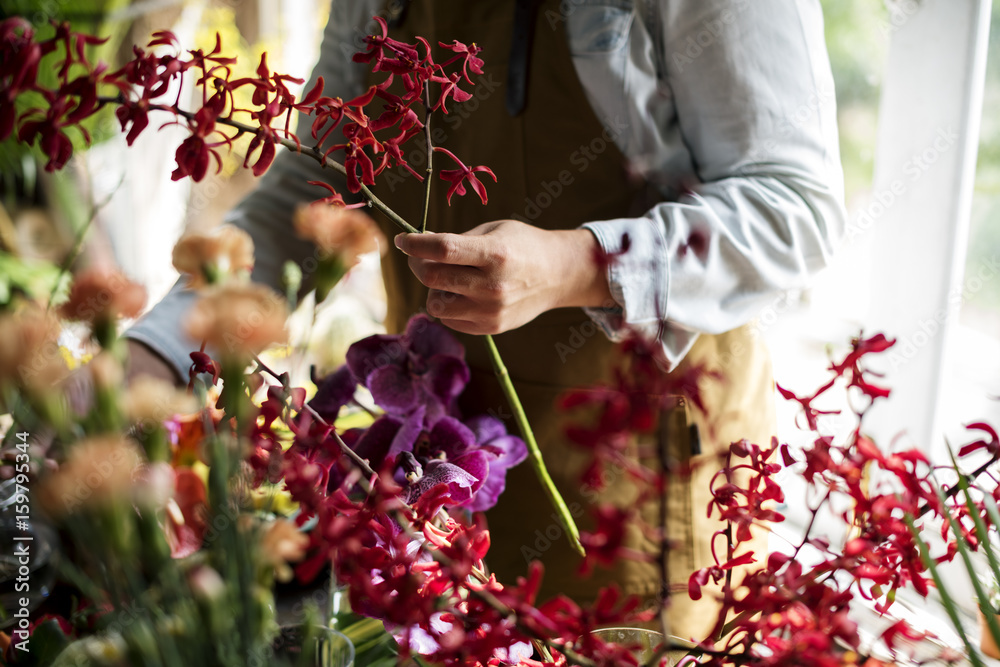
<point x="456" y="249"/>
<point x="449" y="305"/>
<point x="460" y="313"/>
<point x="446" y="277"/>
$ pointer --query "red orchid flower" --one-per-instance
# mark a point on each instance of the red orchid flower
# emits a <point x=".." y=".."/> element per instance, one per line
<point x="378" y="44"/>
<point x="992" y="446"/>
<point x="394" y="153"/>
<point x="330" y="111"/>
<point x="395" y="111"/>
<point x="356" y="159"/>
<point x="335" y="197"/>
<point x="469" y="55"/>
<point x="457" y="176"/>
<point x="449" y="88"/>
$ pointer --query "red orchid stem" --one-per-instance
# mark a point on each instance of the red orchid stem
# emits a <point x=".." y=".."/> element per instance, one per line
<point x="534" y="453"/>
<point x="430" y="155"/>
<point x="350" y="453"/>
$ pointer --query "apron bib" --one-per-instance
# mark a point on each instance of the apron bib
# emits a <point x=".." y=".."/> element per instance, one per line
<point x="541" y="179"/>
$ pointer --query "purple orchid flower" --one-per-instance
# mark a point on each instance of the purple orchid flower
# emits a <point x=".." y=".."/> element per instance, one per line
<point x="332" y="392"/>
<point x="424" y="367"/>
<point x="416" y="377"/>
<point x="507" y="451"/>
<point x="471" y="459"/>
<point x="473" y="462"/>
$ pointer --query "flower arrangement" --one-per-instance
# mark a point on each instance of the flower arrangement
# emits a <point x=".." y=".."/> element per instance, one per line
<point x="173" y="561"/>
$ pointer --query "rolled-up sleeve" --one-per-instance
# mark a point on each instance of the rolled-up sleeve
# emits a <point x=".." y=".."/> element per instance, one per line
<point x="266" y="214"/>
<point x="754" y="103"/>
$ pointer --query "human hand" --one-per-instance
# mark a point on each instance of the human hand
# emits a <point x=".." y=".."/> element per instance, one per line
<point x="503" y="274"/>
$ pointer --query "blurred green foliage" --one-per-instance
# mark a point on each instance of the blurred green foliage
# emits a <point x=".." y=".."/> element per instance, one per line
<point x="857" y="38"/>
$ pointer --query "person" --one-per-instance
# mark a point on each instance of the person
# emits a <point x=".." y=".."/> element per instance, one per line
<point x="695" y="140"/>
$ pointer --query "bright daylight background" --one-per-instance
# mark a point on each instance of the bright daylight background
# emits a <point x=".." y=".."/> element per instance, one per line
<point x="909" y="256"/>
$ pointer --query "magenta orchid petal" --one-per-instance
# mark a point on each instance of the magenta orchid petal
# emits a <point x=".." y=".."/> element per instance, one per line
<point x="375" y="443"/>
<point x="333" y="392"/>
<point x="509" y="451"/>
<point x="408" y="433"/>
<point x="486" y="428"/>
<point x="451" y="437"/>
<point x="429" y="338"/>
<point x="477" y="464"/>
<point x="491" y="434"/>
<point x="372" y="353"/>
<point x="393" y="389"/>
<point x="460" y="483"/>
<point x="488" y="494"/>
<point x="447" y="377"/>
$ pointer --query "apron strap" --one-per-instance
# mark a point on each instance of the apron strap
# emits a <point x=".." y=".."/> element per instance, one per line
<point x="520" y="55"/>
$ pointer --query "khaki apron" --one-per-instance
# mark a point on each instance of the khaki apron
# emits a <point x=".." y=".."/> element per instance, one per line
<point x="541" y="179"/>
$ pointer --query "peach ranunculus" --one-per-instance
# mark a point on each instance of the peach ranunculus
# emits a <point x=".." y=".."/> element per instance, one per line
<point x="342" y="234"/>
<point x="98" y="472"/>
<point x="338" y="230"/>
<point x="209" y="257"/>
<point x="29" y="349"/>
<point x="150" y="399"/>
<point x="238" y="319"/>
<point x="283" y="543"/>
<point x="101" y="295"/>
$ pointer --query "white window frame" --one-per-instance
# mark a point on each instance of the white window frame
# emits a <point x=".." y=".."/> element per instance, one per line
<point x="925" y="162"/>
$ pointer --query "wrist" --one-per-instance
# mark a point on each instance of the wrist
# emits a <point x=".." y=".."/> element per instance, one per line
<point x="584" y="278"/>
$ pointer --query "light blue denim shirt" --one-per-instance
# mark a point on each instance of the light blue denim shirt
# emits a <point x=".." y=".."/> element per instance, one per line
<point x="727" y="106"/>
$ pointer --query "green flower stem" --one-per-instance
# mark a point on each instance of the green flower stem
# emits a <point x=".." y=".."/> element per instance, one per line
<point x="989" y="613"/>
<point x="946" y="601"/>
<point x="534" y="453"/>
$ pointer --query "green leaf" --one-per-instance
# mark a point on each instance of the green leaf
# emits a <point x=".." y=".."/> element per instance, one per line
<point x="949" y="604"/>
<point x="44" y="645"/>
<point x="18" y="275"/>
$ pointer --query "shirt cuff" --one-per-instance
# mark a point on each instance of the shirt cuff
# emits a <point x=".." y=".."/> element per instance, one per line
<point x="638" y="275"/>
